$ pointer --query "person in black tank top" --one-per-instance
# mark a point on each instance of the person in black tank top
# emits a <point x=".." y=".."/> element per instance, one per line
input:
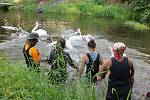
<point x="92" y="61"/>
<point x="121" y="74"/>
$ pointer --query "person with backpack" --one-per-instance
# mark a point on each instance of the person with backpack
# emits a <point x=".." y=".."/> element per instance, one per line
<point x="121" y="74"/>
<point x="31" y="53"/>
<point x="59" y="59"/>
<point x="92" y="60"/>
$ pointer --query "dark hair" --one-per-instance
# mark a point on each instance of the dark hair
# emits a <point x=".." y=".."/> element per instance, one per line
<point x="91" y="44"/>
<point x="32" y="42"/>
<point x="62" y="41"/>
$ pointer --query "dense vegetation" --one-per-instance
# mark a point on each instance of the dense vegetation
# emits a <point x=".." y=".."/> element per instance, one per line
<point x="138" y="10"/>
<point x="17" y="82"/>
<point x="141" y="9"/>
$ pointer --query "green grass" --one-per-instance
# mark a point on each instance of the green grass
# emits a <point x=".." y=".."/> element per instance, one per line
<point x="83" y="8"/>
<point x="90" y="9"/>
<point x="17" y="82"/>
<point x="137" y="26"/>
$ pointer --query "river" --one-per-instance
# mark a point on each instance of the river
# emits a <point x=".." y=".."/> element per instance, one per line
<point x="105" y="31"/>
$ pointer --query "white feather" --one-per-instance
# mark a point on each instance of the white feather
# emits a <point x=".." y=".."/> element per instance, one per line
<point x="42" y="33"/>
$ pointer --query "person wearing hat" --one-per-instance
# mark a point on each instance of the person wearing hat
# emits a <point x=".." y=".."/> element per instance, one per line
<point x="31" y="53"/>
<point x="121" y="74"/>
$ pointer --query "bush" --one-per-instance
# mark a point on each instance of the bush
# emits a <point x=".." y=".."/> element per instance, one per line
<point x="141" y="9"/>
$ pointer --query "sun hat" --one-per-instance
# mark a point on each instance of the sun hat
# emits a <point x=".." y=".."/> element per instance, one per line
<point x="32" y="36"/>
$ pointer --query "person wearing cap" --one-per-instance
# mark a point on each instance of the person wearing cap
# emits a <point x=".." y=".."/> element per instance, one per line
<point x="58" y="59"/>
<point x="31" y="53"/>
<point x="121" y="74"/>
<point x="92" y="60"/>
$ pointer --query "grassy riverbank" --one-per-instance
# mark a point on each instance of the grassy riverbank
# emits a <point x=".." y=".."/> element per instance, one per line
<point x="137" y="26"/>
<point x="86" y="8"/>
<point x="17" y="82"/>
<point x="90" y="9"/>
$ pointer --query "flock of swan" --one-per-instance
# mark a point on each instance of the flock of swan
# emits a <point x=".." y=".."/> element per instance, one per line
<point x="72" y="36"/>
<point x="20" y="33"/>
<point x="69" y="34"/>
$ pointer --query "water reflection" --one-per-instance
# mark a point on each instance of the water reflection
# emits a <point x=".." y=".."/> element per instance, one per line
<point x="133" y="38"/>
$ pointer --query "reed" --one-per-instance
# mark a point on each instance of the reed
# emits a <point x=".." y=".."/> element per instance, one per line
<point x="17" y="82"/>
<point x="91" y="9"/>
<point x="137" y="26"/>
<point x="85" y="8"/>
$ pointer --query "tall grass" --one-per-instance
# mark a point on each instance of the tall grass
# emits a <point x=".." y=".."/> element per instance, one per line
<point x="17" y="82"/>
<point x="91" y="9"/>
<point x="137" y="26"/>
<point x="83" y="7"/>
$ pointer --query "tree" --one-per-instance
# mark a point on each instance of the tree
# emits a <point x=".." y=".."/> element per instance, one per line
<point x="141" y="9"/>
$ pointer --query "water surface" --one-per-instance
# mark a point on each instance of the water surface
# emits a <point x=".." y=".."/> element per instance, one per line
<point x="105" y="31"/>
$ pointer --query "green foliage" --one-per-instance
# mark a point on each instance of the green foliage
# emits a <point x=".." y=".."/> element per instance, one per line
<point x="142" y="10"/>
<point x="112" y="11"/>
<point x="136" y="26"/>
<point x="58" y="72"/>
<point x="99" y="2"/>
<point x="17" y="82"/>
<point x="86" y="8"/>
<point x="91" y="9"/>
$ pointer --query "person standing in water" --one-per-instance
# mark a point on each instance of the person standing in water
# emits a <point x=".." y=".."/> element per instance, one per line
<point x="31" y="53"/>
<point x="121" y="74"/>
<point x="92" y="60"/>
<point x="58" y="59"/>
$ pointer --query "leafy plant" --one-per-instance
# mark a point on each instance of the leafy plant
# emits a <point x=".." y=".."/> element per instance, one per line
<point x="58" y="72"/>
<point x="141" y="9"/>
<point x="17" y="82"/>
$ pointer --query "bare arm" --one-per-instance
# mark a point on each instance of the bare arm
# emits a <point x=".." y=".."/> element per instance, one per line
<point x="101" y="60"/>
<point x="103" y="69"/>
<point x="83" y="60"/>
<point x="71" y="62"/>
<point x="132" y="71"/>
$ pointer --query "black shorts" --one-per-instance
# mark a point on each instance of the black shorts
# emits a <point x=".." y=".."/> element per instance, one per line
<point x="119" y="93"/>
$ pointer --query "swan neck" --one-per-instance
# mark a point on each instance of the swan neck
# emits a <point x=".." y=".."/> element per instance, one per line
<point x="36" y="26"/>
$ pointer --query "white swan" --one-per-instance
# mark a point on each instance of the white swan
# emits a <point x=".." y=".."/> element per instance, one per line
<point x="42" y="33"/>
<point x="53" y="43"/>
<point x="19" y="31"/>
<point x="10" y="28"/>
<point x="87" y="37"/>
<point x="77" y="32"/>
<point x="68" y="44"/>
<point x="70" y="32"/>
<point x="80" y="37"/>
